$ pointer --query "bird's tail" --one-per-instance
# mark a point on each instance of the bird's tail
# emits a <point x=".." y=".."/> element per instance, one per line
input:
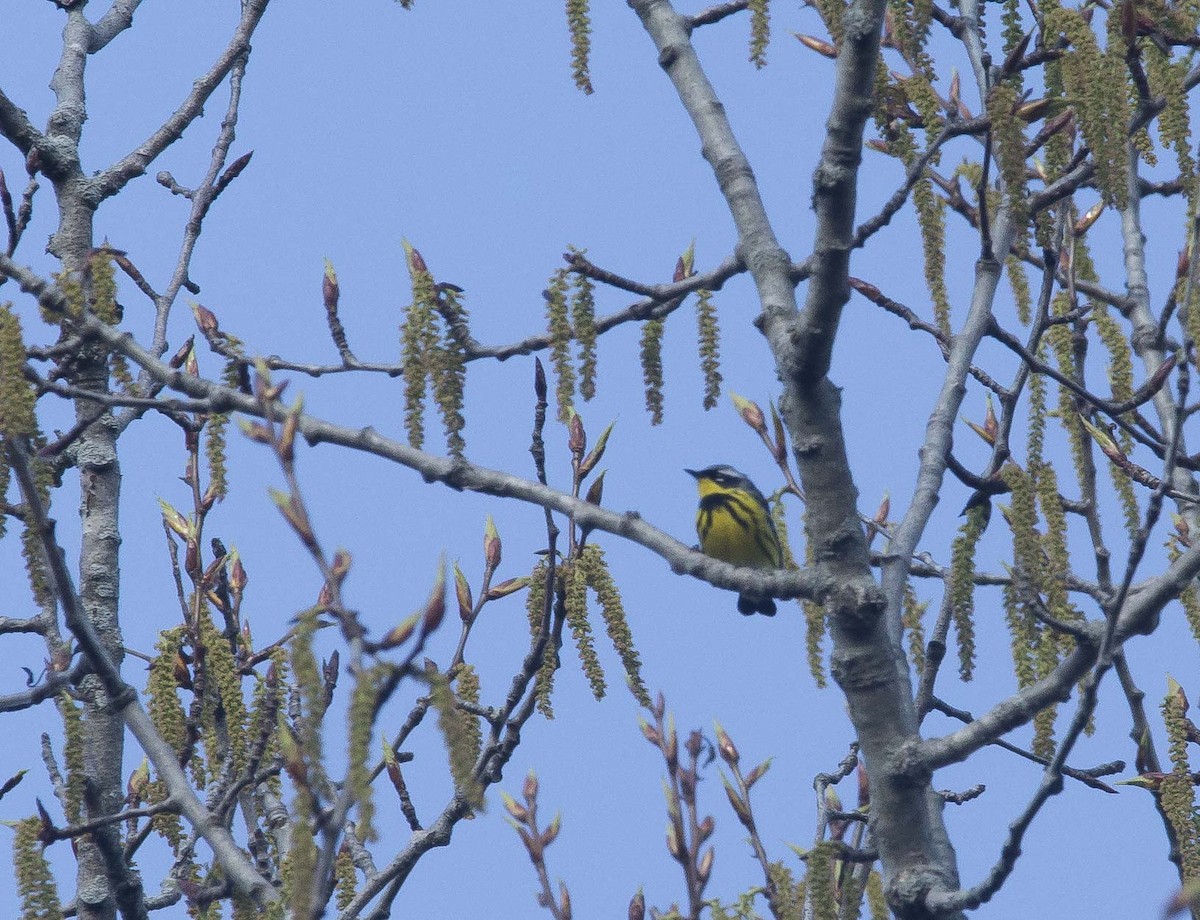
<point x="750" y="604"/>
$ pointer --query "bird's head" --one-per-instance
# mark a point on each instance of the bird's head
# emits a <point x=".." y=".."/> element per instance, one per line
<point x="719" y="478"/>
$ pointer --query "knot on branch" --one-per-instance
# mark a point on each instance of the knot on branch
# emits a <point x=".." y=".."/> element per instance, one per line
<point x="857" y="605"/>
<point x="908" y="767"/>
<point x="861" y="670"/>
<point x="907" y="890"/>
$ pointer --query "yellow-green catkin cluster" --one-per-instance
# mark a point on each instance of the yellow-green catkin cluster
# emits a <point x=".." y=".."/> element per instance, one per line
<point x="307" y="675"/>
<point x="266" y="702"/>
<point x="32" y="549"/>
<point x="1120" y="378"/>
<point x="1167" y="79"/>
<point x="1054" y="546"/>
<point x="814" y="629"/>
<point x="535" y="607"/>
<point x="346" y="884"/>
<point x="789" y="892"/>
<point x="558" y="325"/>
<point x="760" y="32"/>
<point x="1013" y="29"/>
<point x="223" y="715"/>
<point x="449" y="367"/>
<point x="361" y="721"/>
<point x="1095" y="81"/>
<point x="36" y="890"/>
<point x="876" y="898"/>
<point x="418" y="338"/>
<point x="583" y="318"/>
<point x="910" y="29"/>
<point x="18" y="422"/>
<point x="575" y="579"/>
<point x="1189" y="598"/>
<point x="1019" y="596"/>
<point x="833" y="14"/>
<point x="73" y="758"/>
<point x="215" y="445"/>
<point x="580" y="24"/>
<point x="708" y="336"/>
<point x="1036" y="649"/>
<point x="962" y="586"/>
<point x="168" y="716"/>
<point x="820" y="883"/>
<point x="1008" y="146"/>
<point x="299" y="868"/>
<point x="466" y="685"/>
<point x="650" y="355"/>
<point x="461" y="743"/>
<point x="931" y="209"/>
<point x="1018" y="280"/>
<point x="600" y="580"/>
<point x="17" y="396"/>
<point x="434" y="339"/>
<point x="1177" y="797"/>
<point x="104" y="306"/>
<point x="913" y="621"/>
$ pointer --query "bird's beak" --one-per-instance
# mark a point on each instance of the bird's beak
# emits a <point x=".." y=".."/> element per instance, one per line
<point x="692" y="473"/>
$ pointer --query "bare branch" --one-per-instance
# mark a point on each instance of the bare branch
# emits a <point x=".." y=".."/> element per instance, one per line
<point x="111" y="180"/>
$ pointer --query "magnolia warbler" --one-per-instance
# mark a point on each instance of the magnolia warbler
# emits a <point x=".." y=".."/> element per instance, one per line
<point x="735" y="525"/>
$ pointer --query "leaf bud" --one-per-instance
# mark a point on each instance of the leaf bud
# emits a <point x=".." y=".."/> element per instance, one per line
<point x="462" y="591"/>
<point x="818" y="45"/>
<point x="751" y="414"/>
<point x="637" y="906"/>
<point x="577" y="436"/>
<point x="529" y="789"/>
<point x="507" y="587"/>
<point x="729" y="751"/>
<point x="491" y="544"/>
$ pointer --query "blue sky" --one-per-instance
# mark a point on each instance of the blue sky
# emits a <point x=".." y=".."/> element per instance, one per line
<point x="456" y="126"/>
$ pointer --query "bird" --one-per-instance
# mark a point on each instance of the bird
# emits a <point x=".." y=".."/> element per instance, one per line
<point x="734" y="525"/>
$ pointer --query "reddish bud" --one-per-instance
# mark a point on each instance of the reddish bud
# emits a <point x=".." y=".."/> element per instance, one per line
<point x="818" y="45"/>
<point x="529" y="789"/>
<point x="757" y="773"/>
<point x="577" y="436"/>
<point x="330" y="290"/>
<point x="729" y="752"/>
<point x="435" y="607"/>
<point x="593" y="458"/>
<point x="550" y="834"/>
<point x="673" y="846"/>
<point x="751" y="414"/>
<point x="401" y="633"/>
<point x="637" y="906"/>
<point x="595" y="492"/>
<point x="507" y="587"/>
<point x="206" y="320"/>
<point x="341" y="565"/>
<point x="181" y="354"/>
<point x="514" y="808"/>
<point x="491" y="544"/>
<point x="1089" y="218"/>
<point x="462" y="591"/>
